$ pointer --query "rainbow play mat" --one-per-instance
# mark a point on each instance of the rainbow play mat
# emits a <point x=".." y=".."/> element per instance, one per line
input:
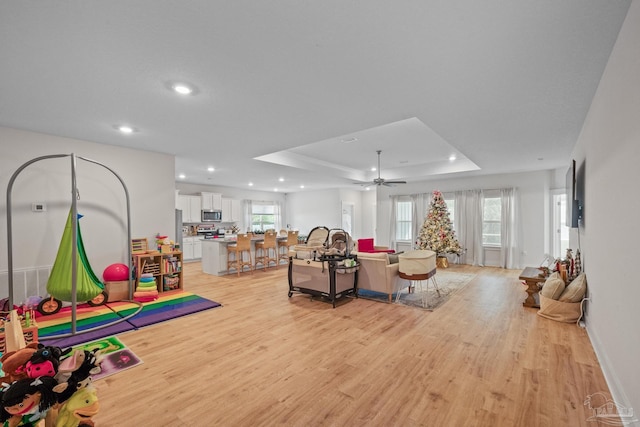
<point x="168" y="306"/>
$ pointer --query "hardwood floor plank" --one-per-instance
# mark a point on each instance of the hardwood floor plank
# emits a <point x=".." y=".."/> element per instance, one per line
<point x="263" y="359"/>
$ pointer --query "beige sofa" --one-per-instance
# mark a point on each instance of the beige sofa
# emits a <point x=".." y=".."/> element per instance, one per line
<point x="378" y="274"/>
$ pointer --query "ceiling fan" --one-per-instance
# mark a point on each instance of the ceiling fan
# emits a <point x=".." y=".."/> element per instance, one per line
<point x="382" y="181"/>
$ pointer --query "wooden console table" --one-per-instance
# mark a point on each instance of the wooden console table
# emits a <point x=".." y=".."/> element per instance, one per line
<point x="532" y="276"/>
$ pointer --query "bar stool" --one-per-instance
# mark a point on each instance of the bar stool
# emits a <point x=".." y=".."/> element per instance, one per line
<point x="267" y="251"/>
<point x="418" y="266"/>
<point x="242" y="245"/>
<point x="284" y="245"/>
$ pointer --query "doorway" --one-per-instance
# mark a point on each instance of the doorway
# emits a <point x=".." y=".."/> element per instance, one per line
<point x="560" y="237"/>
<point x="347" y="217"/>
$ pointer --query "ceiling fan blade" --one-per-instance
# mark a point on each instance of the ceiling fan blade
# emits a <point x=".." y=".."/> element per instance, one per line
<point x="395" y="182"/>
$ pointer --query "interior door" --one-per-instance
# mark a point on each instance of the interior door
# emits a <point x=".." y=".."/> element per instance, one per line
<point x="347" y="217"/>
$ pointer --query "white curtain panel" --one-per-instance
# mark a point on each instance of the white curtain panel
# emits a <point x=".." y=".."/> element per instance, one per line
<point x="419" y="213"/>
<point x="392" y="223"/>
<point x="278" y="215"/>
<point x="509" y="256"/>
<point x="247" y="214"/>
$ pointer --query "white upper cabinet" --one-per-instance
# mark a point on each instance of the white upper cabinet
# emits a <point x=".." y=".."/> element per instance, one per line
<point x="211" y="201"/>
<point x="231" y="210"/>
<point x="190" y="207"/>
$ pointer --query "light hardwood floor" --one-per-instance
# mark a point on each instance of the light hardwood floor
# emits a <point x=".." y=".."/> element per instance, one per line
<point x="263" y="359"/>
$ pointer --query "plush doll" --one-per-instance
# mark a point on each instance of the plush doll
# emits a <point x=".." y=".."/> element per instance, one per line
<point x="75" y="373"/>
<point x="14" y="363"/>
<point x="26" y="401"/>
<point x="79" y="409"/>
<point x="45" y="361"/>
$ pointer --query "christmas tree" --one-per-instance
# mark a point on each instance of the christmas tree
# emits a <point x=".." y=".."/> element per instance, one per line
<point x="437" y="232"/>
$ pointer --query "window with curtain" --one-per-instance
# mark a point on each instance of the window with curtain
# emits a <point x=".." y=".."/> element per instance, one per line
<point x="491" y="221"/>
<point x="451" y="207"/>
<point x="263" y="216"/>
<point x="403" y="219"/>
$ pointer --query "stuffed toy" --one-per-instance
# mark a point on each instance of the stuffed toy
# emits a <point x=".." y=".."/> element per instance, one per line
<point x="45" y="361"/>
<point x="14" y="363"/>
<point x="26" y="401"/>
<point x="79" y="409"/>
<point x="74" y="373"/>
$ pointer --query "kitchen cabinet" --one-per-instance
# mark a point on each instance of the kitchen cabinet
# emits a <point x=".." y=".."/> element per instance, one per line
<point x="197" y="248"/>
<point x="191" y="207"/>
<point x="211" y="201"/>
<point x="192" y="248"/>
<point x="231" y="210"/>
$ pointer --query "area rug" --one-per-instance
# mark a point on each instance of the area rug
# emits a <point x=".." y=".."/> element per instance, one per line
<point x="168" y="306"/>
<point x="116" y="356"/>
<point x="448" y="284"/>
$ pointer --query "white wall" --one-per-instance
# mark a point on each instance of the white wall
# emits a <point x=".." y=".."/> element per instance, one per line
<point x="307" y="210"/>
<point x="533" y="190"/>
<point x="609" y="147"/>
<point x="149" y="178"/>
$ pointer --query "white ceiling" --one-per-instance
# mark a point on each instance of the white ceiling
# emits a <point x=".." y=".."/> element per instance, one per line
<point x="308" y="91"/>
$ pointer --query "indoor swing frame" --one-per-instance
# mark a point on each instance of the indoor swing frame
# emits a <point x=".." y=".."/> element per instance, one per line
<point x="74" y="260"/>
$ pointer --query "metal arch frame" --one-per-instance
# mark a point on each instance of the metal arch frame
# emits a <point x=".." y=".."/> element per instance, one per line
<point x="74" y="208"/>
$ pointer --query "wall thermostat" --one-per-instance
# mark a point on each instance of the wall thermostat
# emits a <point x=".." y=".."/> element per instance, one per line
<point x="38" y="207"/>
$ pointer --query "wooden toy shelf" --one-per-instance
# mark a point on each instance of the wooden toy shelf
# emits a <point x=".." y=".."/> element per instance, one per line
<point x="165" y="267"/>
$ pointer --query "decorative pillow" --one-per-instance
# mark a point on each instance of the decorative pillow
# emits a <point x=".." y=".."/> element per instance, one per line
<point x="576" y="289"/>
<point x="365" y="245"/>
<point x="553" y="287"/>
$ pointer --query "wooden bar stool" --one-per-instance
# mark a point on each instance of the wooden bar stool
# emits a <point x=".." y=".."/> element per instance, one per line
<point x="284" y="245"/>
<point x="267" y="251"/>
<point x="242" y="245"/>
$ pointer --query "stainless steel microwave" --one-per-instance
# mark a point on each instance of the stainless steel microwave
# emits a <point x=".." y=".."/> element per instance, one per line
<point x="211" y="215"/>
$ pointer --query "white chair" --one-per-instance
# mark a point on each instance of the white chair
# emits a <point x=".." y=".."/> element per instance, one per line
<point x="418" y="266"/>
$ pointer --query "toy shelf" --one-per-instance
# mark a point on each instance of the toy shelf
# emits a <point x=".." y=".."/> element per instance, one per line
<point x="165" y="267"/>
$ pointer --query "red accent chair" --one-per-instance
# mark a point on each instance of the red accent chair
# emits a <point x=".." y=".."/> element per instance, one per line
<point x="366" y="245"/>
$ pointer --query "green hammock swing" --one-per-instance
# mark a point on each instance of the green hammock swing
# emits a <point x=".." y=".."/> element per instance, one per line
<point x="59" y="285"/>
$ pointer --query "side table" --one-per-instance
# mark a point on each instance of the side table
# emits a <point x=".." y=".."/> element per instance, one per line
<point x="532" y="276"/>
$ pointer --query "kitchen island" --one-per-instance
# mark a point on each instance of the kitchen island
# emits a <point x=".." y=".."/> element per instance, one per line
<point x="214" y="253"/>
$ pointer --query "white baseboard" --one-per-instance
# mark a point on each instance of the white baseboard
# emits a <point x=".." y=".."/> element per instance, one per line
<point x="615" y="388"/>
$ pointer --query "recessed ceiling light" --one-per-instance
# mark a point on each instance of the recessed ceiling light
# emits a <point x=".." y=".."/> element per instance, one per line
<point x="452" y="157"/>
<point x="302" y="186"/>
<point x="281" y="179"/>
<point x="373" y="169"/>
<point x="367" y="188"/>
<point x="182" y="176"/>
<point x="275" y="189"/>
<point x="251" y="184"/>
<point x="126" y="129"/>
<point x="210" y="169"/>
<point x="348" y="140"/>
<point x="182" y="88"/>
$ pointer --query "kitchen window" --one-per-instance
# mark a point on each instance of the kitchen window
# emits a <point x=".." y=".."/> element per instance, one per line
<point x="263" y="216"/>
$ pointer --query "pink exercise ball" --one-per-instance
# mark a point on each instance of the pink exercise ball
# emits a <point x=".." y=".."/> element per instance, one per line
<point x="116" y="273"/>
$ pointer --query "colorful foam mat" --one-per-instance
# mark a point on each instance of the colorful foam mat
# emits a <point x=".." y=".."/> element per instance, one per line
<point x="168" y="306"/>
